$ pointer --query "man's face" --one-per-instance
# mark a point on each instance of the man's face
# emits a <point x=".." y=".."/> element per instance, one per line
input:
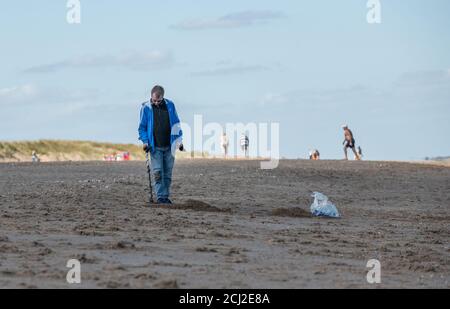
<point x="157" y="98"/>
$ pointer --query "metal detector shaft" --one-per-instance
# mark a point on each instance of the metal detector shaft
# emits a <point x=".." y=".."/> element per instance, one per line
<point x="149" y="170"/>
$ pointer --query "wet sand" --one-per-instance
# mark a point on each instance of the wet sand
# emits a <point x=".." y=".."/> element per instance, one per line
<point x="233" y="225"/>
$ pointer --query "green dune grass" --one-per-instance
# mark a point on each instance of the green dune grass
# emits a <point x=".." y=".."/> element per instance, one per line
<point x="63" y="150"/>
<point x="58" y="150"/>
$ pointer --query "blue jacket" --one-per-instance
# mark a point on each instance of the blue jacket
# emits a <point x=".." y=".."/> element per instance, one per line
<point x="146" y="124"/>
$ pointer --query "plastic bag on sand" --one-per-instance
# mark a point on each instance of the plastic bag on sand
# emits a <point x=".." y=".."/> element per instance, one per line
<point x="322" y="207"/>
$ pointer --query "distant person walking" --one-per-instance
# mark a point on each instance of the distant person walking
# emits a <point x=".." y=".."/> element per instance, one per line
<point x="225" y="143"/>
<point x="160" y="133"/>
<point x="349" y="142"/>
<point x="245" y="142"/>
<point x="34" y="157"/>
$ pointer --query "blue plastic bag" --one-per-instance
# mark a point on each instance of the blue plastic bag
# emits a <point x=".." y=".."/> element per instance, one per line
<point x="322" y="207"/>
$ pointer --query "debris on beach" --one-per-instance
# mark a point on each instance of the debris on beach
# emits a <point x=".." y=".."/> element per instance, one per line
<point x="322" y="207"/>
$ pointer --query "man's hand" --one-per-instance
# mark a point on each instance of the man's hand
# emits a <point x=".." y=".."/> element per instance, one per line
<point x="181" y="147"/>
<point x="146" y="148"/>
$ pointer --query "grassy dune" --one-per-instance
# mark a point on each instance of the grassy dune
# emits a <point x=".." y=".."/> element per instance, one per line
<point x="60" y="150"/>
<point x="56" y="150"/>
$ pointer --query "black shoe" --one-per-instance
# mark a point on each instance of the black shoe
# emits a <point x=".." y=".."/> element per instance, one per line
<point x="164" y="201"/>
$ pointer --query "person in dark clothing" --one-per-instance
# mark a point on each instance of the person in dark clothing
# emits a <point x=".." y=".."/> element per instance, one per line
<point x="160" y="132"/>
<point x="161" y="124"/>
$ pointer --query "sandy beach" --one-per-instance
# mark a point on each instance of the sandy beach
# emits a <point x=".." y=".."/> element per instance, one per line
<point x="233" y="225"/>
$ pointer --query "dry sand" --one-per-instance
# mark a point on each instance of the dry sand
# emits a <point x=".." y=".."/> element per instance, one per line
<point x="251" y="229"/>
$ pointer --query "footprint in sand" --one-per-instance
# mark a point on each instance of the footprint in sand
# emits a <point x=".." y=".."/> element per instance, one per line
<point x="166" y="284"/>
<point x="291" y="212"/>
<point x="193" y="205"/>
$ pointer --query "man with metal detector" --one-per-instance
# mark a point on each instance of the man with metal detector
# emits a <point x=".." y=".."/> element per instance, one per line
<point x="161" y="135"/>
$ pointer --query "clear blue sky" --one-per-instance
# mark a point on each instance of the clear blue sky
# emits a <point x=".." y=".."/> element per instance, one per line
<point x="311" y="65"/>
